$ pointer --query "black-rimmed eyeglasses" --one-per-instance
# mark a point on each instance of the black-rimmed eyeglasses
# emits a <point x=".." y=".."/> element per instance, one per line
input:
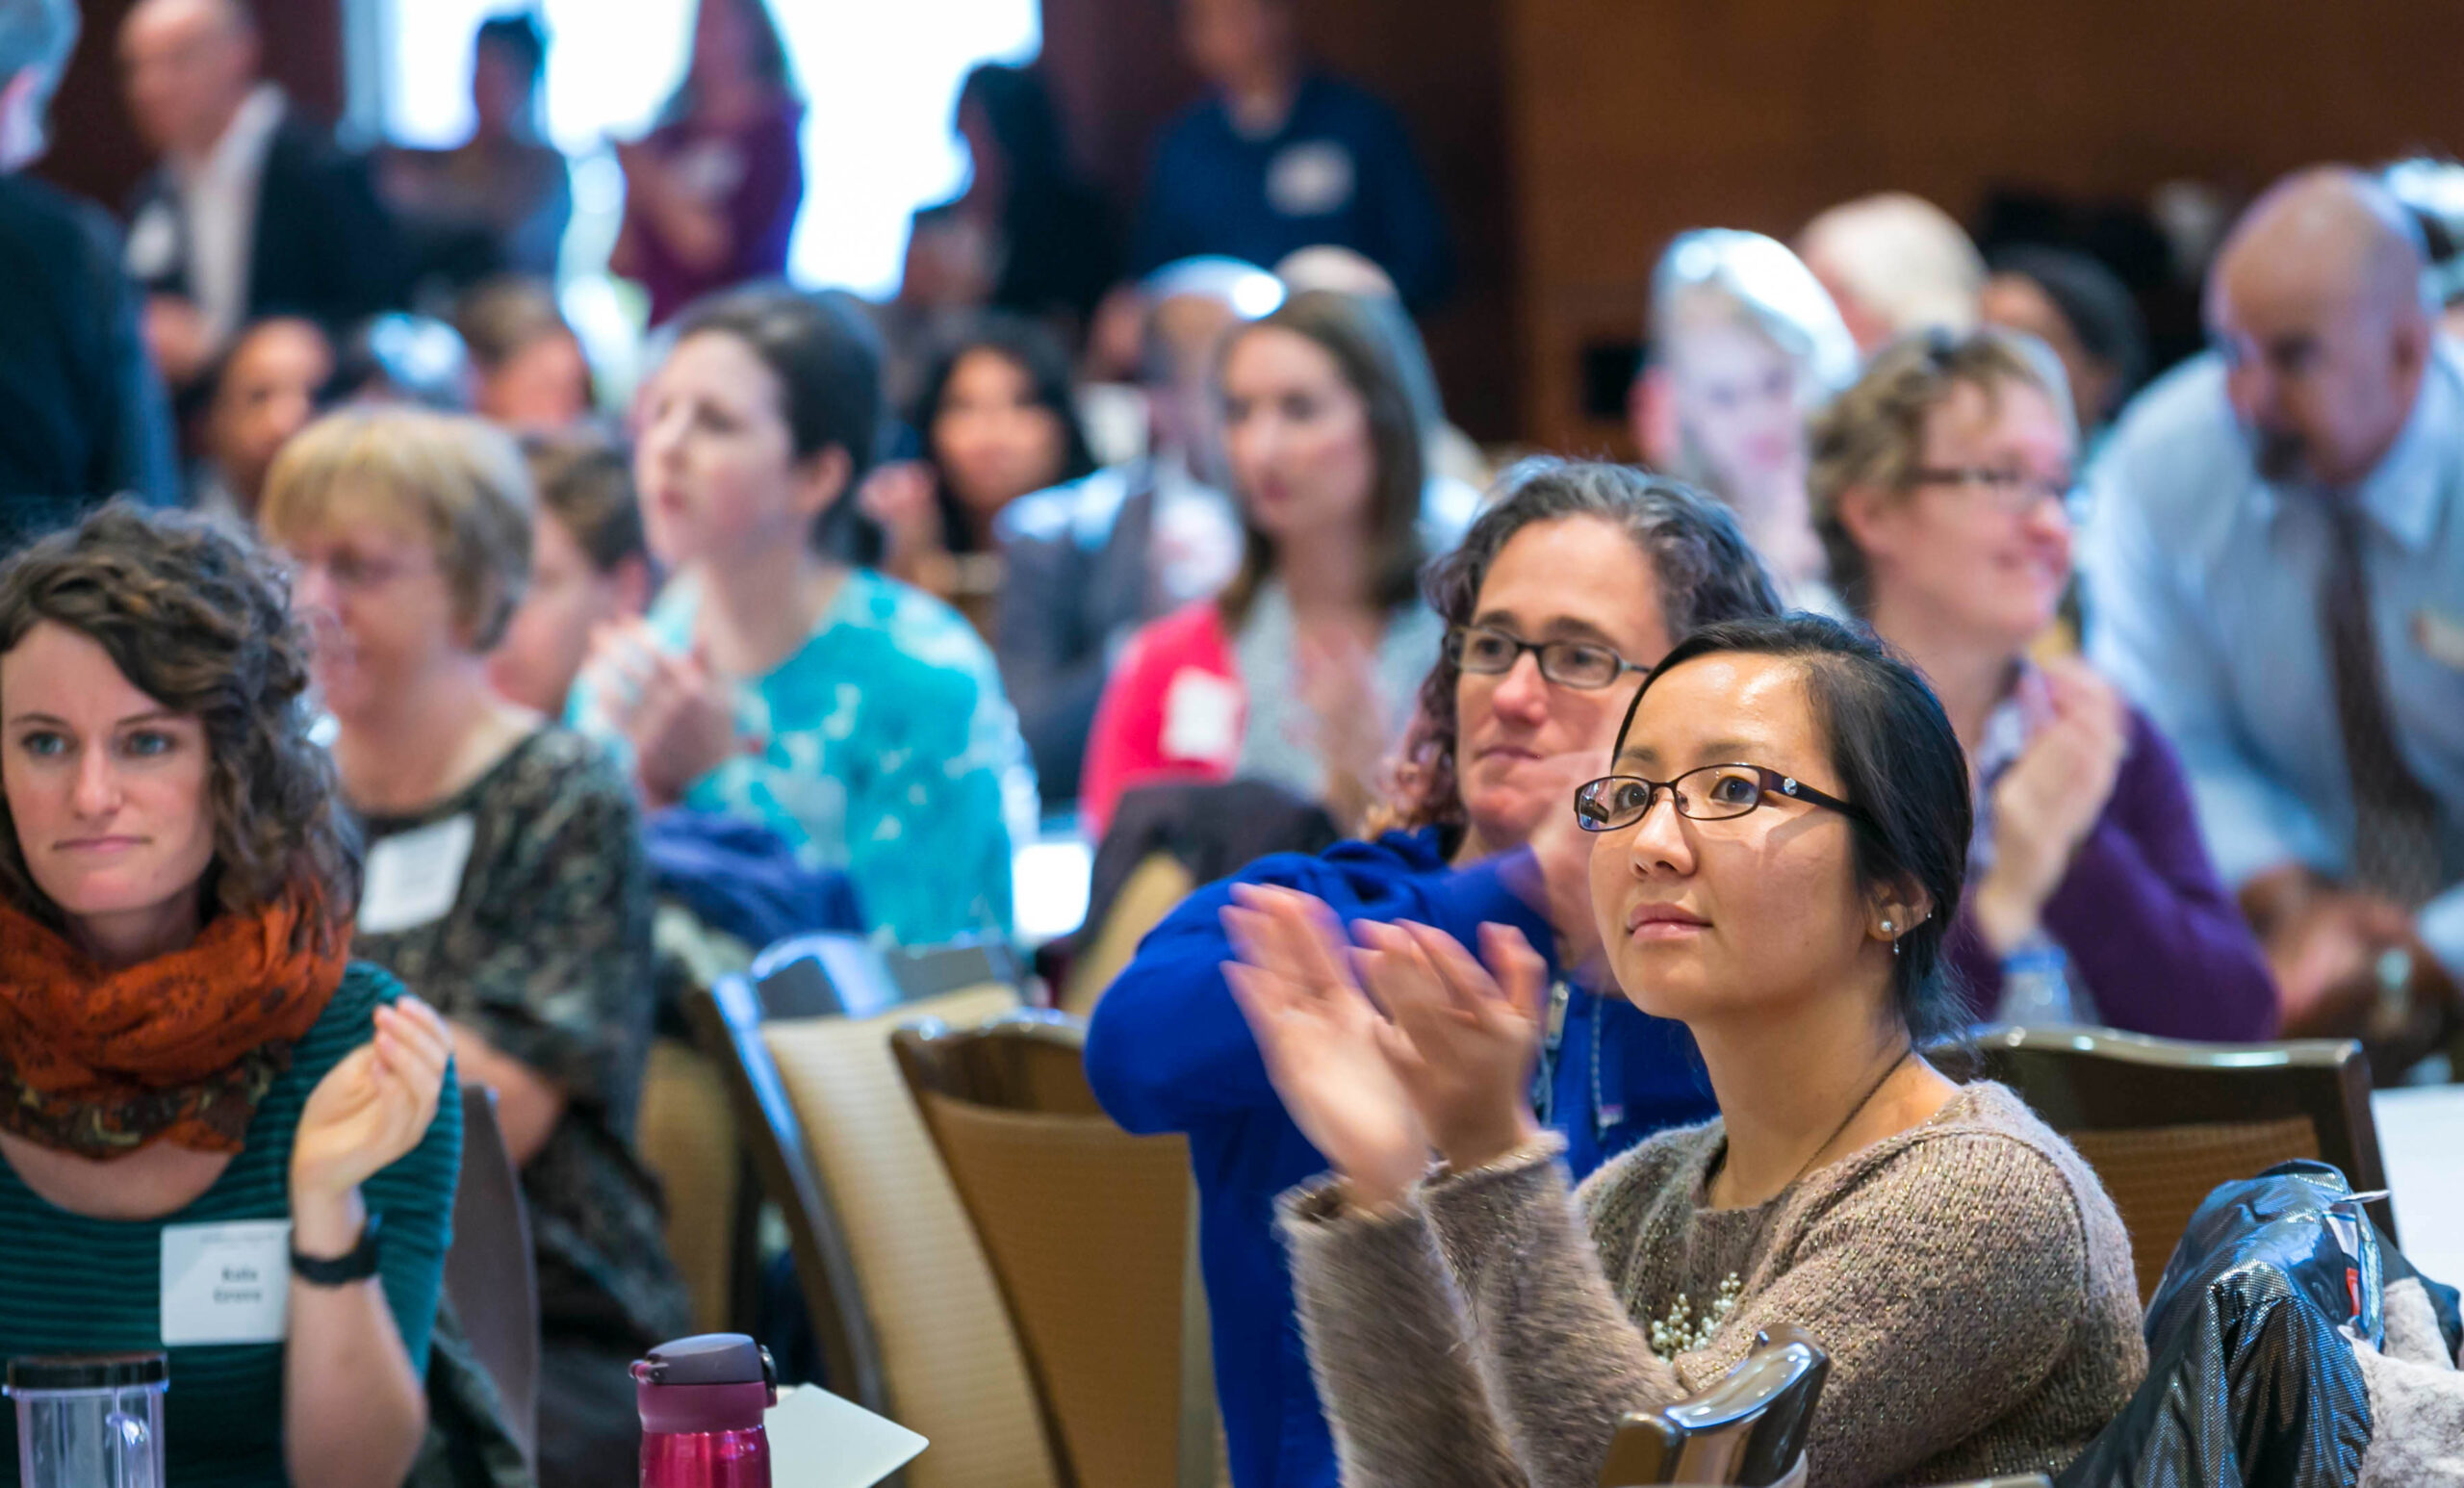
<point x="1716" y="792"/>
<point x="1587" y="665"/>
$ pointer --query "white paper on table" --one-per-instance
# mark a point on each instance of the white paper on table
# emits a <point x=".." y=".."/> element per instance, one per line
<point x="820" y="1441"/>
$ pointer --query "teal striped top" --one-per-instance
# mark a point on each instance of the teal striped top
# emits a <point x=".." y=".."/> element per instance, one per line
<point x="74" y="1285"/>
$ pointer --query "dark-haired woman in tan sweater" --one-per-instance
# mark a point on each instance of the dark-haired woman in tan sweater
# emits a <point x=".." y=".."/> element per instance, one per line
<point x="1773" y="862"/>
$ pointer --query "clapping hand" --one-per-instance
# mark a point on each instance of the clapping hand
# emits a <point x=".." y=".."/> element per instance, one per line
<point x="1343" y="717"/>
<point x="675" y="710"/>
<point x="2047" y="801"/>
<point x="371" y="1108"/>
<point x="1324" y="1044"/>
<point x="1469" y="1031"/>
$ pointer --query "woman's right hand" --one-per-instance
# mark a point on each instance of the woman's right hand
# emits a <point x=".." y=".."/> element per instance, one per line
<point x="674" y="710"/>
<point x="370" y="1110"/>
<point x="1324" y="1044"/>
<point x="2047" y="801"/>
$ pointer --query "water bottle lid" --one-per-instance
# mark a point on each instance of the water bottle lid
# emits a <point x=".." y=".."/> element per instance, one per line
<point x="89" y="1371"/>
<point x="707" y="1359"/>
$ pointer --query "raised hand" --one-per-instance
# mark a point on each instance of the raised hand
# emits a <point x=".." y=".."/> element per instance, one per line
<point x="373" y="1107"/>
<point x="1468" y="1033"/>
<point x="1324" y="1044"/>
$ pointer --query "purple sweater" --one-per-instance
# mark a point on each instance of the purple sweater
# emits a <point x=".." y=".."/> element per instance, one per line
<point x="2150" y="931"/>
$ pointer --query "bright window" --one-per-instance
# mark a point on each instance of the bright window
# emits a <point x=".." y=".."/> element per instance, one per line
<point x="881" y="83"/>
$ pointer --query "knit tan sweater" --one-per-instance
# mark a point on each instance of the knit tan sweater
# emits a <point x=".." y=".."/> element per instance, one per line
<point x="1970" y="1278"/>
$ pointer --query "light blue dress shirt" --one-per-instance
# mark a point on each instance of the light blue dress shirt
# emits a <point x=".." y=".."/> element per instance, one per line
<point x="890" y="752"/>
<point x="2202" y="598"/>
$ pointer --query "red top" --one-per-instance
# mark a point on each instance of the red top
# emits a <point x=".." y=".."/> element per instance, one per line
<point x="1175" y="710"/>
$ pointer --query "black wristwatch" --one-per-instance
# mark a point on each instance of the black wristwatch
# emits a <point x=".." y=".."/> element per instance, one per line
<point x="342" y="1271"/>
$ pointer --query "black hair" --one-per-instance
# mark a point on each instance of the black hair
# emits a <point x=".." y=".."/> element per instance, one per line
<point x="1034" y="350"/>
<point x="770" y="60"/>
<point x="2100" y="310"/>
<point x="521" y="37"/>
<point x="828" y="362"/>
<point x="1899" y="764"/>
<point x="1705" y="569"/>
<point x="1019" y="110"/>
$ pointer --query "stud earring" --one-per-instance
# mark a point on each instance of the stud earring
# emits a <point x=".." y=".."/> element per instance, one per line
<point x="1885" y="927"/>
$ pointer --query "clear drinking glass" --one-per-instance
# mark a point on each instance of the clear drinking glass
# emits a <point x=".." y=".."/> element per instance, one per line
<point x="90" y="1421"/>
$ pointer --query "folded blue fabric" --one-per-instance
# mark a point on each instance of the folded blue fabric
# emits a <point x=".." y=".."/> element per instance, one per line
<point x="742" y="879"/>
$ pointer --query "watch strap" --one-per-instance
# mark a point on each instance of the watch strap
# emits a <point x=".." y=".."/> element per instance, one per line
<point x="342" y="1271"/>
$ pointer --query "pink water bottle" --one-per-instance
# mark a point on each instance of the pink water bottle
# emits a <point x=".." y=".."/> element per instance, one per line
<point x="702" y="1401"/>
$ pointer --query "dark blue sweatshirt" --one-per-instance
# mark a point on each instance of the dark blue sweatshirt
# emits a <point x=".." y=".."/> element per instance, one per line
<point x="1341" y="171"/>
<point x="1168" y="1052"/>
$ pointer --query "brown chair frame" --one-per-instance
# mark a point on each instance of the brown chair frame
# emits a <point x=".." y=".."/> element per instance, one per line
<point x="2063" y="1075"/>
<point x="982" y="1067"/>
<point x="492" y="1236"/>
<point x="727" y="1020"/>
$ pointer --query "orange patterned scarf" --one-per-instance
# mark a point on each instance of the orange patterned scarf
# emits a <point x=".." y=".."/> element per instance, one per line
<point x="179" y="1048"/>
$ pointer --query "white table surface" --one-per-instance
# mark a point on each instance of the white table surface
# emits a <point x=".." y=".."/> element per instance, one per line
<point x="2421" y="1135"/>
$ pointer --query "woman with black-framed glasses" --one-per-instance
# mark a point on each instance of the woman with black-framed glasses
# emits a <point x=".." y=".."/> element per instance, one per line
<point x="1574" y="578"/>
<point x="1776" y="855"/>
<point x="1940" y="485"/>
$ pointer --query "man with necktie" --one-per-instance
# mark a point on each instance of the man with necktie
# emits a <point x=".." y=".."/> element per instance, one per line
<point x="2275" y="572"/>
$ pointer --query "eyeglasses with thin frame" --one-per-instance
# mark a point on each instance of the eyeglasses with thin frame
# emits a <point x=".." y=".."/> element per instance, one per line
<point x="2015" y="492"/>
<point x="1585" y="665"/>
<point x="1714" y="792"/>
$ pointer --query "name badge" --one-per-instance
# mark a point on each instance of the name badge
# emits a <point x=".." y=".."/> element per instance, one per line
<point x="414" y="877"/>
<point x="153" y="248"/>
<point x="2439" y="637"/>
<point x="227" y="1283"/>
<point x="1201" y="716"/>
<point x="1310" y="179"/>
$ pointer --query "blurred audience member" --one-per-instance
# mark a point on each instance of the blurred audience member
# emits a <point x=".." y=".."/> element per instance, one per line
<point x="589" y="567"/>
<point x="1894" y="263"/>
<point x="1745" y="346"/>
<point x="82" y="414"/>
<point x="253" y="211"/>
<point x="2432" y="190"/>
<point x="1458" y="472"/>
<point x="1085" y="564"/>
<point x="2075" y="305"/>
<point x="1281" y="157"/>
<point x="1110" y="405"/>
<point x="1574" y="583"/>
<point x="1938" y="484"/>
<point x="506" y="883"/>
<point x="997" y="423"/>
<point x="2275" y="572"/>
<point x="505" y="191"/>
<point x="188" y="1037"/>
<point x="777" y="679"/>
<point x="1302" y="672"/>
<point x="1027" y="236"/>
<point x="527" y="371"/>
<point x="710" y="196"/>
<point x="274" y="378"/>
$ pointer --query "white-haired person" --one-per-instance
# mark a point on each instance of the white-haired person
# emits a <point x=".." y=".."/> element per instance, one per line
<point x="1745" y="345"/>
<point x="1895" y="263"/>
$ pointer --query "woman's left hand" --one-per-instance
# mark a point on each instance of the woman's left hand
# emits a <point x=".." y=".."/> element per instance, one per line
<point x="675" y="710"/>
<point x="371" y="1108"/>
<point x="2047" y="801"/>
<point x="1345" y="719"/>
<point x="1470" y="1033"/>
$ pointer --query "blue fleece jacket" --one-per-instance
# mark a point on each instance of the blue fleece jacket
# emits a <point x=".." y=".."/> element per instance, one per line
<point x="1168" y="1052"/>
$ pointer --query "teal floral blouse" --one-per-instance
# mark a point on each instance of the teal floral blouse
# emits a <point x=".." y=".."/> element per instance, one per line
<point x="891" y="753"/>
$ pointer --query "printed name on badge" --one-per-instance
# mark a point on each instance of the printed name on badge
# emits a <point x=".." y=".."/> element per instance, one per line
<point x="227" y="1283"/>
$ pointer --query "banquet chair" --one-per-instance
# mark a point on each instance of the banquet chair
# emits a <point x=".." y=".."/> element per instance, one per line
<point x="838" y="973"/>
<point x="686" y="1134"/>
<point x="1152" y="890"/>
<point x="2163" y="1122"/>
<point x="1091" y="1236"/>
<point x="907" y="1319"/>
<point x="491" y="1275"/>
<point x="1748" y="1426"/>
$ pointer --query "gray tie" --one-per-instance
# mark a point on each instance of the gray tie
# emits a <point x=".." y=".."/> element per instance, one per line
<point x="2394" y="849"/>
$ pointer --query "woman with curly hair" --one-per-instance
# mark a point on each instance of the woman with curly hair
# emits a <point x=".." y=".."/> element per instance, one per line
<point x="507" y="877"/>
<point x="1565" y="591"/>
<point x="190" y="1063"/>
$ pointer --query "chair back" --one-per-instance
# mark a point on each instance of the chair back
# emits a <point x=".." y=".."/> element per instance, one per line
<point x="2163" y="1122"/>
<point x="687" y="1138"/>
<point x="1152" y="890"/>
<point x="1748" y="1426"/>
<point x="1091" y="1236"/>
<point x="907" y="1318"/>
<point x="491" y="1275"/>
<point x="834" y="973"/>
